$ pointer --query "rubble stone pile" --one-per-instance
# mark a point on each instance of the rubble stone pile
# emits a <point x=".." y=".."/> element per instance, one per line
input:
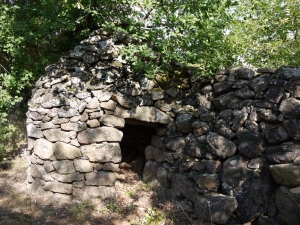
<point x="226" y="148"/>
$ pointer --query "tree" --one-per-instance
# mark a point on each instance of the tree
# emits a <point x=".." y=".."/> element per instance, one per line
<point x="266" y="33"/>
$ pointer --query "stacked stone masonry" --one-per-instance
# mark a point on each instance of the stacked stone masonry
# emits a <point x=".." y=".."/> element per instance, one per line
<point x="226" y="148"/>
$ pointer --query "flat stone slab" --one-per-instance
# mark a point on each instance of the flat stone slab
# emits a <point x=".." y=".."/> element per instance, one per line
<point x="66" y="151"/>
<point x="286" y="174"/>
<point x="64" y="166"/>
<point x="105" y="152"/>
<point x="144" y="113"/>
<point x="215" y="208"/>
<point x="54" y="135"/>
<point x="100" y="134"/>
<point x="58" y="187"/>
<point x="44" y="149"/>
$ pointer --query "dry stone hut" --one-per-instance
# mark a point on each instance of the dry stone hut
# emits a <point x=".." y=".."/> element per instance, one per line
<point x="227" y="147"/>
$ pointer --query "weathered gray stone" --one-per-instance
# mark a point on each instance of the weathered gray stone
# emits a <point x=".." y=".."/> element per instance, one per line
<point x="99" y="135"/>
<point x="184" y="123"/>
<point x="163" y="106"/>
<point x="67" y="112"/>
<point x="173" y="92"/>
<point x="292" y="126"/>
<point x="216" y="208"/>
<point x="268" y="115"/>
<point x="283" y="153"/>
<point x="274" y="94"/>
<point x="60" y="120"/>
<point x="95" y="115"/>
<point x="294" y="88"/>
<point x="64" y="166"/>
<point x="112" y="121"/>
<point x="102" y="96"/>
<point x="93" y="104"/>
<point x="144" y="113"/>
<point x="287" y="73"/>
<point x="93" y="123"/>
<point x="250" y="144"/>
<point x="203" y="101"/>
<point x="259" y="84"/>
<point x="36" y="188"/>
<point x="82" y="165"/>
<point x="244" y="93"/>
<point x="243" y="73"/>
<point x="157" y="94"/>
<point x="110" y="166"/>
<point x="256" y="183"/>
<point x="222" y="101"/>
<point x="100" y="178"/>
<point x="125" y="100"/>
<point x="220" y="146"/>
<point x="66" y="151"/>
<point x="108" y="105"/>
<point x="184" y="187"/>
<point x="195" y="148"/>
<point x="223" y="87"/>
<point x="49" y="125"/>
<point x="34" y="132"/>
<point x="286" y="174"/>
<point x="67" y="178"/>
<point x="54" y="135"/>
<point x="176" y="143"/>
<point x="105" y="152"/>
<point x="207" y="182"/>
<point x="43" y="149"/>
<point x="288" y="205"/>
<point x="58" y="187"/>
<point x="274" y="133"/>
<point x="37" y="171"/>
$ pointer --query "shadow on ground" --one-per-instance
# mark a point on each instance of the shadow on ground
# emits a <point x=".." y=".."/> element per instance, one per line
<point x="135" y="203"/>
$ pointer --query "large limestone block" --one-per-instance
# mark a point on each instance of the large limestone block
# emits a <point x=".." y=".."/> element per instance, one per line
<point x="126" y="101"/>
<point x="102" y="96"/>
<point x="66" y="151"/>
<point x="274" y="133"/>
<point x="82" y="165"/>
<point x="99" y="135"/>
<point x="288" y="204"/>
<point x="105" y="152"/>
<point x="54" y="135"/>
<point x="220" y="146"/>
<point x="44" y="149"/>
<point x="244" y="183"/>
<point x="67" y="112"/>
<point x="290" y="107"/>
<point x="64" y="166"/>
<point x="34" y="132"/>
<point x="36" y="188"/>
<point x="37" y="171"/>
<point x="283" y="153"/>
<point x="67" y="178"/>
<point x="58" y="187"/>
<point x="292" y="126"/>
<point x="216" y="208"/>
<point x="249" y="143"/>
<point x="112" y="121"/>
<point x="286" y="174"/>
<point x="144" y="113"/>
<point x="286" y="73"/>
<point x="184" y="122"/>
<point x="100" y="178"/>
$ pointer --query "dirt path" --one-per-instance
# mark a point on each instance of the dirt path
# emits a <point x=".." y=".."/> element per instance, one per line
<point x="135" y="203"/>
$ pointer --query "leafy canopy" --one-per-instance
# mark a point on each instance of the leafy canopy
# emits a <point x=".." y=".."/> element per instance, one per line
<point x="210" y="34"/>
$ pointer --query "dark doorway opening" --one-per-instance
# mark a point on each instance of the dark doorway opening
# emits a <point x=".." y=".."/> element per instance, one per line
<point x="136" y="137"/>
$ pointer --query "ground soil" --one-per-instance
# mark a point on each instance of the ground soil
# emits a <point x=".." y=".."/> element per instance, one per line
<point x="135" y="203"/>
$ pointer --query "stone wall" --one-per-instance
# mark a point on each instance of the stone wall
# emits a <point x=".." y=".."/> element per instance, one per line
<point x="226" y="148"/>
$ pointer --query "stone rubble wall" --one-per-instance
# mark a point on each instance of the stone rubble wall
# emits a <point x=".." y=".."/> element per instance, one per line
<point x="227" y="148"/>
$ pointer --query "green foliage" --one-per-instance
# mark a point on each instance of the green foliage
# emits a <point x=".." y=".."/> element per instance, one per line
<point x="209" y="34"/>
<point x="266" y="33"/>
